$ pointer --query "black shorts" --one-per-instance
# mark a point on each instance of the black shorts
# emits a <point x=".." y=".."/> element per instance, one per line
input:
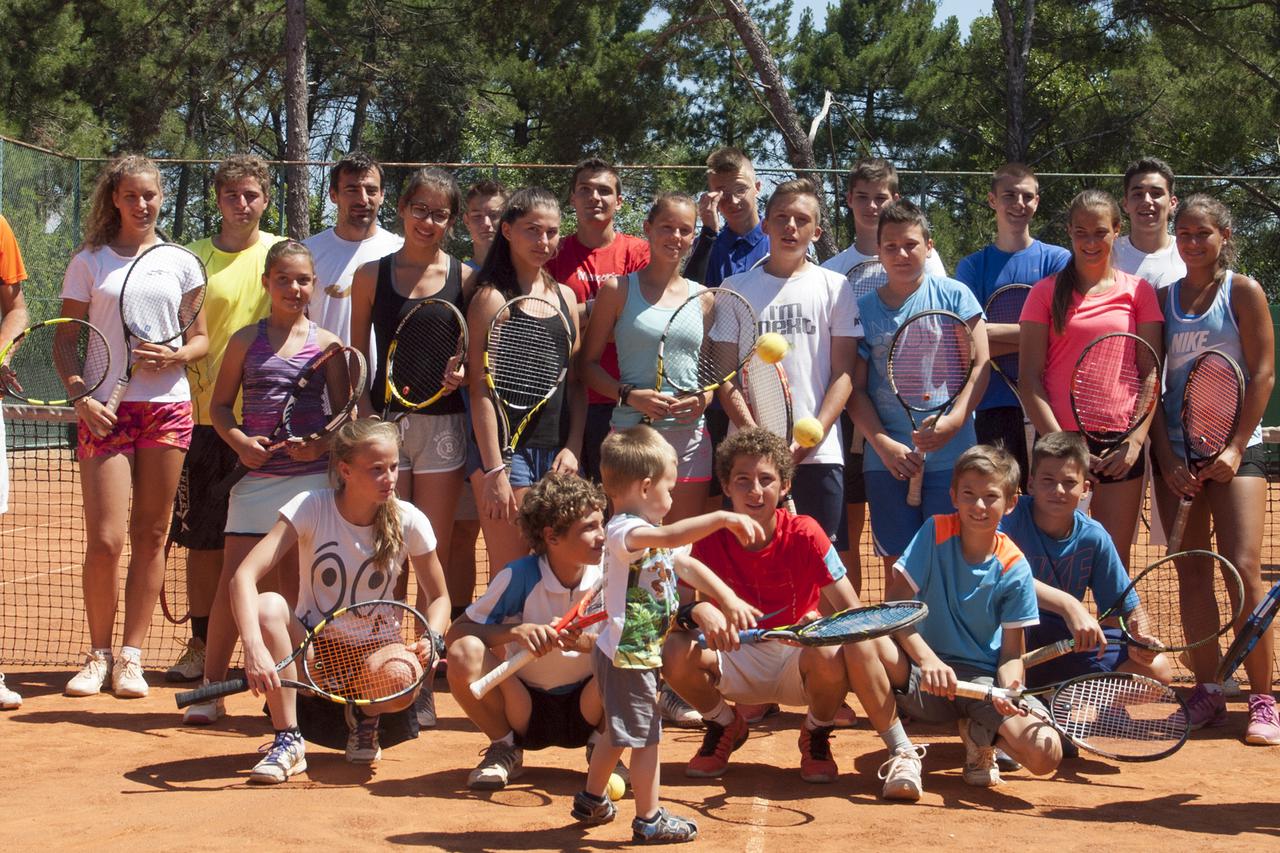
<point x="556" y="720"/>
<point x="199" y="518"/>
<point x="594" y="433"/>
<point x="1135" y="473"/>
<point x="1252" y="464"/>
<point x="718" y="428"/>
<point x="324" y="723"/>
<point x="818" y="491"/>
<point x="1004" y="426"/>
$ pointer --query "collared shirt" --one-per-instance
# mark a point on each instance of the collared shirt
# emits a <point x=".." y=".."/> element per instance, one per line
<point x="733" y="253"/>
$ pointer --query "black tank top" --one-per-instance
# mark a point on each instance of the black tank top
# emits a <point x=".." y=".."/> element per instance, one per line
<point x="550" y="426"/>
<point x="389" y="308"/>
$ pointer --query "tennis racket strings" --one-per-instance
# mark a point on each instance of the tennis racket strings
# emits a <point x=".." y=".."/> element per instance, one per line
<point x="56" y="362"/>
<point x="1115" y="385"/>
<point x="717" y="332"/>
<point x="931" y="361"/>
<point x="164" y="293"/>
<point x="528" y="348"/>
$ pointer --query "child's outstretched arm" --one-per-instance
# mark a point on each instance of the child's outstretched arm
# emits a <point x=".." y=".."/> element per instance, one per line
<point x="690" y="530"/>
<point x="695" y="573"/>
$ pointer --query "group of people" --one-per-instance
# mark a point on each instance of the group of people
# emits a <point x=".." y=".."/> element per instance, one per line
<point x="618" y="477"/>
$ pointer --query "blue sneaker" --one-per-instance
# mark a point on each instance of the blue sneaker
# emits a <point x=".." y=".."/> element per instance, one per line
<point x="664" y="828"/>
<point x="287" y="756"/>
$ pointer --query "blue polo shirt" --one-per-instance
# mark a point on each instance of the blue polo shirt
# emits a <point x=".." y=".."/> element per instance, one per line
<point x="732" y="253"/>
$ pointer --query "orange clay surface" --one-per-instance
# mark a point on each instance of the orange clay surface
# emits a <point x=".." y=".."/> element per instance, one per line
<point x="105" y="773"/>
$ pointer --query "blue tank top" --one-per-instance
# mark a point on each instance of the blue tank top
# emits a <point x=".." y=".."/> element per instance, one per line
<point x="267" y="381"/>
<point x="637" y="332"/>
<point x="1188" y="335"/>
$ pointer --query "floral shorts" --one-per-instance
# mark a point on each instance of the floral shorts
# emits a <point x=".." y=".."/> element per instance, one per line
<point x="139" y="425"/>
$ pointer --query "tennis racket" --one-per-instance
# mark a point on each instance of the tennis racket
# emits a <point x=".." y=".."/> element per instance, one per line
<point x="1114" y="388"/>
<point x="706" y="342"/>
<point x="930" y="359"/>
<point x="848" y="626"/>
<point x="526" y="358"/>
<point x="429" y="343"/>
<point x="1116" y="714"/>
<point x="335" y="654"/>
<point x="322" y="398"/>
<point x="1005" y="306"/>
<point x="864" y="278"/>
<point x="769" y="401"/>
<point x="1149" y="610"/>
<point x="161" y="297"/>
<point x="55" y="363"/>
<point x="587" y="611"/>
<point x="1211" y="403"/>
<point x="1255" y="626"/>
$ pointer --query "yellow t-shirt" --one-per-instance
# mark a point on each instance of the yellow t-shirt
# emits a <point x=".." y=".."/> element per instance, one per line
<point x="234" y="299"/>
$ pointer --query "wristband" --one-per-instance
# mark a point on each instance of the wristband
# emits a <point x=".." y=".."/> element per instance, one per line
<point x="684" y="616"/>
<point x="624" y="391"/>
<point x="489" y="472"/>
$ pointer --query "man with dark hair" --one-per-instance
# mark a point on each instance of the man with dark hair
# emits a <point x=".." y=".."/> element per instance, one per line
<point x="355" y="186"/>
<point x="1148" y="250"/>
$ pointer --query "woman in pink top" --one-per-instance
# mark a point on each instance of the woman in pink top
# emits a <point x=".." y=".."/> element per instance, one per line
<point x="1064" y="314"/>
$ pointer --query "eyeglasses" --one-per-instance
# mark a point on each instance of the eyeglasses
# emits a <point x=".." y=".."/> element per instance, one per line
<point x="422" y="211"/>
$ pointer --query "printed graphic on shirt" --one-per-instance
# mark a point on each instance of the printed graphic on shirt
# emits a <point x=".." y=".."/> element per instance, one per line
<point x="651" y="603"/>
<point x="333" y="585"/>
<point x="787" y="319"/>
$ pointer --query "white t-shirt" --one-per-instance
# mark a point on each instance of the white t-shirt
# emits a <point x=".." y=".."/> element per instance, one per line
<point x="808" y="309"/>
<point x="96" y="276"/>
<point x="640" y="596"/>
<point x="336" y="263"/>
<point x="527" y="591"/>
<point x="851" y="257"/>
<point x="335" y="556"/>
<point x="1160" y="268"/>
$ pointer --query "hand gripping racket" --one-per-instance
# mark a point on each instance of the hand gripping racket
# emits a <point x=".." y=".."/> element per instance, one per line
<point x="769" y="400"/>
<point x="864" y="278"/>
<point x="1149" y="611"/>
<point x="1255" y="626"/>
<point x="322" y="398"/>
<point x="526" y="358"/>
<point x="160" y="299"/>
<point x="1114" y="388"/>
<point x="354" y="657"/>
<point x="706" y="342"/>
<point x="1005" y="306"/>
<point x="1211" y="403"/>
<point x="847" y="626"/>
<point x="588" y="610"/>
<point x="1116" y="714"/>
<point x="930" y="359"/>
<point x="55" y="363"/>
<point x="429" y="343"/>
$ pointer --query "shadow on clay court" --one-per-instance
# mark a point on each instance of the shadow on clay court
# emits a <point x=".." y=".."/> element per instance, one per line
<point x="223" y="772"/>
<point x="537" y="787"/>
<point x="1180" y="812"/>
<point x="167" y="724"/>
<point x="39" y="683"/>
<point x="569" y="838"/>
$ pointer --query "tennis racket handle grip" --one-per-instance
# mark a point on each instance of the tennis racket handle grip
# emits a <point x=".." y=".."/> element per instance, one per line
<point x="1047" y="653"/>
<point x="1179" y="524"/>
<point x="984" y="692"/>
<point x="211" y="691"/>
<point x="913" y="490"/>
<point x="747" y="637"/>
<point x="500" y="673"/>
<point x="117" y="394"/>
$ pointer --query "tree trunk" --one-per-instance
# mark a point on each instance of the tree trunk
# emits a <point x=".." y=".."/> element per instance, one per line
<point x="299" y="134"/>
<point x="1015" y="44"/>
<point x="799" y="150"/>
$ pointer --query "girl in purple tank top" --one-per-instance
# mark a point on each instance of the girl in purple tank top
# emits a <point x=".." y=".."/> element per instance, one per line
<point x="260" y="365"/>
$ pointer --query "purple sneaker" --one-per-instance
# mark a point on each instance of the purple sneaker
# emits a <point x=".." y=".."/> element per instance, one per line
<point x="1264" y="726"/>
<point x="1206" y="708"/>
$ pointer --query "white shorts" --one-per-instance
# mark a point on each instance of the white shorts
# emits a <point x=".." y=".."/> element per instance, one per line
<point x="256" y="500"/>
<point x="761" y="673"/>
<point x="433" y="444"/>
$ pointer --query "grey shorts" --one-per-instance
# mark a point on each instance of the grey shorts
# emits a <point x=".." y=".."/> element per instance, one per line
<point x="630" y="698"/>
<point x="985" y="719"/>
<point x="433" y="444"/>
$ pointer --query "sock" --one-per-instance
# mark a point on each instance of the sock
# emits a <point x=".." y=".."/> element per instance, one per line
<point x="200" y="627"/>
<point x="650" y="819"/>
<point x="895" y="737"/>
<point x="1211" y="686"/>
<point x="509" y="739"/>
<point x="131" y="652"/>
<point x="811" y="722"/>
<point x="721" y="714"/>
<point x="104" y="652"/>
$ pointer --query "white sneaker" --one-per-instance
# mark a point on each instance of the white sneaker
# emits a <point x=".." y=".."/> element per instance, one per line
<point x="501" y="763"/>
<point x="901" y="774"/>
<point x="190" y="666"/>
<point x="9" y="699"/>
<point x="287" y="756"/>
<point x="204" y="713"/>
<point x="127" y="681"/>
<point x="980" y="768"/>
<point x="91" y="677"/>
<point x="676" y="711"/>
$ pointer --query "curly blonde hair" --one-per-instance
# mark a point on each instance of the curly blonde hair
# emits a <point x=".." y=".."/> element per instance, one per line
<point x="103" y="223"/>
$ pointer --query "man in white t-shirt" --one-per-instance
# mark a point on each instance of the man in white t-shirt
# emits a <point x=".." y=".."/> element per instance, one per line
<point x="13" y="319"/>
<point x="815" y="311"/>
<point x="1148" y="250"/>
<point x="355" y="186"/>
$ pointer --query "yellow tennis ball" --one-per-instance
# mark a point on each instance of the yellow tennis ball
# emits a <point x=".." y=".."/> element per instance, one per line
<point x="772" y="347"/>
<point x="808" y="432"/>
<point x="616" y="787"/>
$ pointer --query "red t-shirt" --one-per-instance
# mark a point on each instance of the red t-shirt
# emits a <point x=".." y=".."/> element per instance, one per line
<point x="583" y="269"/>
<point x="787" y="575"/>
